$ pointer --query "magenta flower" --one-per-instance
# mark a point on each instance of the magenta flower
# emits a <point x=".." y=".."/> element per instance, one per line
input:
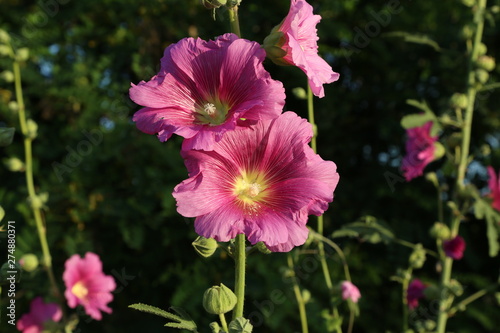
<point x="204" y="89"/>
<point x="414" y="293"/>
<point x="40" y="313"/>
<point x="494" y="185"/>
<point x="262" y="181"/>
<point x="454" y="248"/>
<point x="294" y="42"/>
<point x="87" y="285"/>
<point x="350" y="291"/>
<point x="420" y="150"/>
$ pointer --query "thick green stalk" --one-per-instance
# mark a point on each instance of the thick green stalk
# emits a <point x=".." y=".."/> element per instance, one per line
<point x="47" y="259"/>
<point x="298" y="297"/>
<point x="234" y="21"/>
<point x="239" y="283"/>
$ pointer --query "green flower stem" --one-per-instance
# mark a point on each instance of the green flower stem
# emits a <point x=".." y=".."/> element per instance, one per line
<point x="472" y="298"/>
<point x="42" y="233"/>
<point x="412" y="246"/>
<point x="404" y="286"/>
<point x="234" y="21"/>
<point x="239" y="283"/>
<point x="298" y="296"/>
<point x="337" y="249"/>
<point x="223" y="322"/>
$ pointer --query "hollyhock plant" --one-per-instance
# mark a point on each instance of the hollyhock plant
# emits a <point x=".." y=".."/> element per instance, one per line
<point x="40" y="313"/>
<point x="494" y="185"/>
<point x="87" y="285"/>
<point x="261" y="181"/>
<point x="204" y="89"/>
<point x="294" y="42"/>
<point x="414" y="293"/>
<point x="350" y="291"/>
<point x="454" y="248"/>
<point x="420" y="149"/>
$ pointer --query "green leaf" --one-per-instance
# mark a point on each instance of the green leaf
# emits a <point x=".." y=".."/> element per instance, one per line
<point x="240" y="325"/>
<point x="415" y="38"/>
<point x="483" y="210"/>
<point x="368" y="229"/>
<point x="415" y="120"/>
<point x="184" y="321"/>
<point x="6" y="136"/>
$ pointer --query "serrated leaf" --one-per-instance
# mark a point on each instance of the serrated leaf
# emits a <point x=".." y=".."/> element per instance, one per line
<point x="415" y="38"/>
<point x="183" y="321"/>
<point x="369" y="230"/>
<point x="6" y="136"/>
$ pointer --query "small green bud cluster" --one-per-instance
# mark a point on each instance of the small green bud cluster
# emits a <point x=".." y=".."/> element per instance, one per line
<point x="440" y="231"/>
<point x="417" y="257"/>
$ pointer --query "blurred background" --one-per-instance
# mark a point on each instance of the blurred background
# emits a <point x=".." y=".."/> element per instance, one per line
<point x="110" y="185"/>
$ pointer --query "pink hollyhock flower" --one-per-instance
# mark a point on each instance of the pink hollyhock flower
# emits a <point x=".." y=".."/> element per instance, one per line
<point x="204" y="89"/>
<point x="87" y="285"/>
<point x="350" y="291"/>
<point x="454" y="248"/>
<point x="494" y="185"/>
<point x="40" y="313"/>
<point x="262" y="181"/>
<point x="294" y="42"/>
<point x="420" y="150"/>
<point x="414" y="293"/>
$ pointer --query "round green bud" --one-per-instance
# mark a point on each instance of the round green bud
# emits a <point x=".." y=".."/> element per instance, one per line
<point x="482" y="75"/>
<point x="440" y="231"/>
<point x="4" y="36"/>
<point x="495" y="9"/>
<point x="482" y="49"/>
<point x="7" y="76"/>
<point x="300" y="93"/>
<point x="215" y="327"/>
<point x="417" y="257"/>
<point x="205" y="246"/>
<point x="458" y="100"/>
<point x="219" y="299"/>
<point x="29" y="262"/>
<point x="429" y="325"/>
<point x="22" y="54"/>
<point x="486" y="62"/>
<point x="4" y="50"/>
<point x="467" y="32"/>
<point x="262" y="248"/>
<point x="14" y="164"/>
<point x="32" y="129"/>
<point x="469" y="3"/>
<point x="456" y="288"/>
<point x="13" y="106"/>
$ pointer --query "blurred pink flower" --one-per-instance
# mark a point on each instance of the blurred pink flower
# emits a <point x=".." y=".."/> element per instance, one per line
<point x="414" y="293"/>
<point x="87" y="285"/>
<point x="454" y="248"/>
<point x="294" y="42"/>
<point x="262" y="181"/>
<point x="420" y="150"/>
<point x="494" y="185"/>
<point x="40" y="313"/>
<point x="204" y="89"/>
<point x="350" y="291"/>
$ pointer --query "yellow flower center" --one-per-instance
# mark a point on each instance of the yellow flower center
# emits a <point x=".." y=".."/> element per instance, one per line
<point x="79" y="290"/>
<point x="250" y="188"/>
<point x="212" y="113"/>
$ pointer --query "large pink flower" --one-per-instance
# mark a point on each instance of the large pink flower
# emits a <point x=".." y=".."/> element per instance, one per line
<point x="87" y="285"/>
<point x="40" y="313"/>
<point x="205" y="88"/>
<point x="414" y="293"/>
<point x="262" y="181"/>
<point x="294" y="42"/>
<point x="494" y="185"/>
<point x="350" y="291"/>
<point x="420" y="148"/>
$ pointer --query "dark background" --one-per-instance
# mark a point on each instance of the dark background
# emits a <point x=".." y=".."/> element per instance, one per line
<point x="116" y="200"/>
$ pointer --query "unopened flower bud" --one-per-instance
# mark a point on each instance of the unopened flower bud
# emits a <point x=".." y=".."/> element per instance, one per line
<point x="300" y="93"/>
<point x="205" y="246"/>
<point x="467" y="32"/>
<point x="458" y="101"/>
<point x="219" y="300"/>
<point x="262" y="248"/>
<point x="482" y="49"/>
<point x="4" y="50"/>
<point x="482" y="75"/>
<point x="14" y="164"/>
<point x="432" y="177"/>
<point x="7" y="76"/>
<point x="486" y="62"/>
<point x="211" y="4"/>
<point x="417" y="257"/>
<point x="440" y="231"/>
<point x="32" y="128"/>
<point x="13" y="106"/>
<point x="272" y="45"/>
<point x="22" y="54"/>
<point x="469" y="3"/>
<point x="240" y="325"/>
<point x="4" y="36"/>
<point x="29" y="262"/>
<point x="456" y="288"/>
<point x="215" y="327"/>
<point x="495" y="9"/>
<point x="38" y="201"/>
